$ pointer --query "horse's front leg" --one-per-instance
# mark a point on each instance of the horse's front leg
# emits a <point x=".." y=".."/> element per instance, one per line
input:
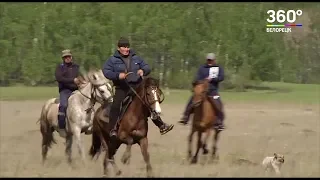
<point x="68" y="151"/>
<point x="214" y="155"/>
<point x="144" y="151"/>
<point x="112" y="149"/>
<point x="199" y="145"/>
<point x="190" y="144"/>
<point x="205" y="141"/>
<point x="77" y="135"/>
<point x="127" y="154"/>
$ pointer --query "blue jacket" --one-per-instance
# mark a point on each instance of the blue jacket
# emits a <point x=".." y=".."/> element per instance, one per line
<point x="215" y="72"/>
<point x="65" y="74"/>
<point x="115" y="65"/>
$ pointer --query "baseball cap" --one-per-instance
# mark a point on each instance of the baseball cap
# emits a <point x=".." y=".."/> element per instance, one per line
<point x="66" y="52"/>
<point x="211" y="56"/>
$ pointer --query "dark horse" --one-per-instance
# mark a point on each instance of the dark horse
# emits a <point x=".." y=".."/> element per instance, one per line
<point x="203" y="120"/>
<point x="133" y="126"/>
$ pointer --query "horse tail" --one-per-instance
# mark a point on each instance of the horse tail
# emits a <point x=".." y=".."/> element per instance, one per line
<point x="96" y="144"/>
<point x="45" y="127"/>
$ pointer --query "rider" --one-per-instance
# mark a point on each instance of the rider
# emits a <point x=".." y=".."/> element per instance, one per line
<point x="66" y="75"/>
<point x="115" y="68"/>
<point x="215" y="73"/>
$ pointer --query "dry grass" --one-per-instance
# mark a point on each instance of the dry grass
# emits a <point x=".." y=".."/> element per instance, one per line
<point x="254" y="131"/>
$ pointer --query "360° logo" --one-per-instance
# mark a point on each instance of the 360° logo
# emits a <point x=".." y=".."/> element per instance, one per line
<point x="281" y="16"/>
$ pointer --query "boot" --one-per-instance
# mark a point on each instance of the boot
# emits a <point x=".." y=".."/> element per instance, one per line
<point x="186" y="116"/>
<point x="62" y="125"/>
<point x="219" y="125"/>
<point x="88" y="131"/>
<point x="61" y="121"/>
<point x="114" y="130"/>
<point x="163" y="127"/>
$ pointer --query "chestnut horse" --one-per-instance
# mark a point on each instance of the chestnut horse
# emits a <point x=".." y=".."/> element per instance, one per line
<point x="133" y="126"/>
<point x="204" y="117"/>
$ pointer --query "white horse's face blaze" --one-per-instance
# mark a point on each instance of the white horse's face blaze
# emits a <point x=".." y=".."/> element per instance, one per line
<point x="155" y="100"/>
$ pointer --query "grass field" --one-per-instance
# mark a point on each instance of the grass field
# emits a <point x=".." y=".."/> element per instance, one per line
<point x="277" y="92"/>
<point x="284" y="118"/>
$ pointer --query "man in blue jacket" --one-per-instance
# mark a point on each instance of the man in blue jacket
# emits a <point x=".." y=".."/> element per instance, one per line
<point x="215" y="73"/>
<point x="115" y="68"/>
<point x="66" y="75"/>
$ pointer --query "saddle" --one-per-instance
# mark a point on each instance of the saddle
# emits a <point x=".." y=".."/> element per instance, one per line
<point x="124" y="105"/>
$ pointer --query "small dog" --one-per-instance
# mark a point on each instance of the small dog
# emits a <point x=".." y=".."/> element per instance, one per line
<point x="275" y="162"/>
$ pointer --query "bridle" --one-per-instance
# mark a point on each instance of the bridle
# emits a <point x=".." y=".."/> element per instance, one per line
<point x="203" y="95"/>
<point x="145" y="100"/>
<point x="93" y="94"/>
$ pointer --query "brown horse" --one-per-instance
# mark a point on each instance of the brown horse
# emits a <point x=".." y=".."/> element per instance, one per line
<point x="204" y="117"/>
<point x="133" y="126"/>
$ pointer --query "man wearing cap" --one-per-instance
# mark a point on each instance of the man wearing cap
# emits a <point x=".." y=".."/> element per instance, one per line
<point x="115" y="68"/>
<point x="66" y="74"/>
<point x="211" y="70"/>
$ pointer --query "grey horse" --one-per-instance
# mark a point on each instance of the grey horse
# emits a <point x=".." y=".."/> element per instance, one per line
<point x="94" y="87"/>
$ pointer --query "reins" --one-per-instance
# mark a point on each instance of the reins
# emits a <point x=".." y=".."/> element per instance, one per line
<point x="135" y="92"/>
<point x="92" y="100"/>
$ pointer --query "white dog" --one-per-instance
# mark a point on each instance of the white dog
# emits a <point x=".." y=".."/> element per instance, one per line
<point x="274" y="162"/>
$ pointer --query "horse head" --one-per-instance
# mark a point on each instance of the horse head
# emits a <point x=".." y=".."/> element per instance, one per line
<point x="200" y="89"/>
<point x="101" y="86"/>
<point x="151" y="94"/>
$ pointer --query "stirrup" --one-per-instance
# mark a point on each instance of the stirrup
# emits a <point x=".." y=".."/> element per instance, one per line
<point x="113" y="132"/>
<point x="88" y="131"/>
<point x="183" y="122"/>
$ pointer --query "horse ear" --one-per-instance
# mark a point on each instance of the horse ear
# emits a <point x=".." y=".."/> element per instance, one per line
<point x="94" y="77"/>
<point x="81" y="79"/>
<point x="194" y="83"/>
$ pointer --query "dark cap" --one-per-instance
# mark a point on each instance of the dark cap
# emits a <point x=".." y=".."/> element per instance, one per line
<point x="123" y="42"/>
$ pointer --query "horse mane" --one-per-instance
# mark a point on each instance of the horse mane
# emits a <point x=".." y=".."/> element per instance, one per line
<point x="202" y="81"/>
<point x="84" y="77"/>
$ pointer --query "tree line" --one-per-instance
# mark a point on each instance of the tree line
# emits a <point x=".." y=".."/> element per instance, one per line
<point x="172" y="37"/>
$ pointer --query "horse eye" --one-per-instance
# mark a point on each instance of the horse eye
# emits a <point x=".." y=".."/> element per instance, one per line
<point x="102" y="91"/>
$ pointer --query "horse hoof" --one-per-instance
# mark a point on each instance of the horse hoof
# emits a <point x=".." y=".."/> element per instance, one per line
<point x="69" y="162"/>
<point x="194" y="161"/>
<point x="189" y="156"/>
<point x="205" y="151"/>
<point x="125" y="160"/>
<point x="150" y="175"/>
<point x="118" y="173"/>
<point x="214" y="160"/>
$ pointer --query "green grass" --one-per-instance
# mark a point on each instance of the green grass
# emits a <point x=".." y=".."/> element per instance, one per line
<point x="27" y="93"/>
<point x="277" y="92"/>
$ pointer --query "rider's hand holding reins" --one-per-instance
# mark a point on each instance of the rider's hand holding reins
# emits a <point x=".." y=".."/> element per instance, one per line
<point x="140" y="72"/>
<point x="124" y="75"/>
